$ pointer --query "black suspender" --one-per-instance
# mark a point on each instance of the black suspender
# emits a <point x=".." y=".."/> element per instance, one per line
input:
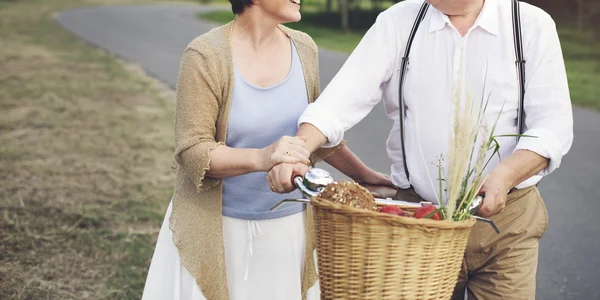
<point x="520" y="62"/>
<point x="405" y="59"/>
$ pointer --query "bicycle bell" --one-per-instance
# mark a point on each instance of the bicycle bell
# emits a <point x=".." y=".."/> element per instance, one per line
<point x="314" y="182"/>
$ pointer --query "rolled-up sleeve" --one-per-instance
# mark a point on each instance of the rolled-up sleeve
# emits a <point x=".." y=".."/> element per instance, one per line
<point x="196" y="115"/>
<point x="358" y="86"/>
<point x="322" y="153"/>
<point x="548" y="111"/>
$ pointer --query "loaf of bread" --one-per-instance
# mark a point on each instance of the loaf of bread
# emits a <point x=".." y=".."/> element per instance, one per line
<point x="349" y="193"/>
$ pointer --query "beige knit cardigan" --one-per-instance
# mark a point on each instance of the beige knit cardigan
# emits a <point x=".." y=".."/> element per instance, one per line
<point x="204" y="89"/>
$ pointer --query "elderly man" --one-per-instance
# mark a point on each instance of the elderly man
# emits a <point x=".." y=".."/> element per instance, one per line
<point x="415" y="58"/>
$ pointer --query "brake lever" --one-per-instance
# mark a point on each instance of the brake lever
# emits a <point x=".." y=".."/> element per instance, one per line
<point x="474" y="208"/>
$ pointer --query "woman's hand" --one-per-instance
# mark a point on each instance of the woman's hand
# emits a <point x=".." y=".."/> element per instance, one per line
<point x="286" y="150"/>
<point x="280" y="178"/>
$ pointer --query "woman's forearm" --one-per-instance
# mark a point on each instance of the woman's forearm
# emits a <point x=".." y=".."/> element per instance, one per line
<point x="226" y="161"/>
<point x="342" y="159"/>
<point x="348" y="163"/>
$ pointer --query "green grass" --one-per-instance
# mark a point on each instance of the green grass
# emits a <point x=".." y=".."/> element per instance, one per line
<point x="85" y="155"/>
<point x="325" y="37"/>
<point x="581" y="52"/>
<point x="582" y="60"/>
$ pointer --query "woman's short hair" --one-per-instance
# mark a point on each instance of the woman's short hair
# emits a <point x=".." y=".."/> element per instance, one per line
<point x="237" y="6"/>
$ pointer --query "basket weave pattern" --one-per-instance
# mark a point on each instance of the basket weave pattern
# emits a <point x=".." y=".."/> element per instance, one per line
<point x="371" y="255"/>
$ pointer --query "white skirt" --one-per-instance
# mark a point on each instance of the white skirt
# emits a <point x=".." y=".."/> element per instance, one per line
<point x="264" y="260"/>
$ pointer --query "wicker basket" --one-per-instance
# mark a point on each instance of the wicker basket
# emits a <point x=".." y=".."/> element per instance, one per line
<point x="371" y="255"/>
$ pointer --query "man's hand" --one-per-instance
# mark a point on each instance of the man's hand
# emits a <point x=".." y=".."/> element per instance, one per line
<point x="380" y="191"/>
<point x="495" y="197"/>
<point x="519" y="166"/>
<point x="380" y="185"/>
<point x="281" y="176"/>
<point x="373" y="177"/>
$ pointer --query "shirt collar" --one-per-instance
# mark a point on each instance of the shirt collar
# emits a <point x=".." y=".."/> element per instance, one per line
<point x="487" y="19"/>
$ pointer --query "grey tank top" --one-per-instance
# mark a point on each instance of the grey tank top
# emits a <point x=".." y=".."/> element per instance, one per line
<point x="259" y="117"/>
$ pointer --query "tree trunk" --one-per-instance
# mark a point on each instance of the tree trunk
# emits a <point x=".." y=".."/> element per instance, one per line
<point x="595" y="20"/>
<point x="328" y="4"/>
<point x="376" y="5"/>
<point x="580" y="15"/>
<point x="344" y="12"/>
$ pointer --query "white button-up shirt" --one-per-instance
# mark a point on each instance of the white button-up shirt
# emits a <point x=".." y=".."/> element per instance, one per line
<point x="438" y="57"/>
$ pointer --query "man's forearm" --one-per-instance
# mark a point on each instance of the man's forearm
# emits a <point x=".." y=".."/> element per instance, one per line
<point x="519" y="166"/>
<point x="315" y="138"/>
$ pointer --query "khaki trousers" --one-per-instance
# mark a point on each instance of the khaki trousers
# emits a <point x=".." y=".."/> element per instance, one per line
<point x="502" y="266"/>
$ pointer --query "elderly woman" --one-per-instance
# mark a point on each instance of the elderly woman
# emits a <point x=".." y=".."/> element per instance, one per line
<point x="241" y="89"/>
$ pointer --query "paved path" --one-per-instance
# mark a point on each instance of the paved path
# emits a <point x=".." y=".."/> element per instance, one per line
<point x="155" y="36"/>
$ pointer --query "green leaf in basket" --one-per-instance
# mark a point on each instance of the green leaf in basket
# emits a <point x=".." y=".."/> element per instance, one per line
<point x="430" y="215"/>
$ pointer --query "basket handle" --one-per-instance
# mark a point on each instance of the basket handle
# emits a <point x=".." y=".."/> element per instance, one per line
<point x="308" y="193"/>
